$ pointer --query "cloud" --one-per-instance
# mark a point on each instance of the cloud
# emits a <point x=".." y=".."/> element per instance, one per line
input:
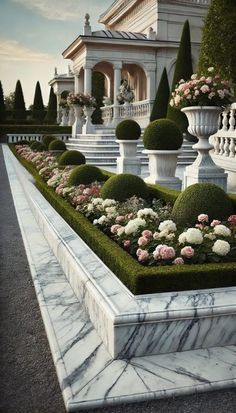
<point x="64" y="10"/>
<point x="12" y="50"/>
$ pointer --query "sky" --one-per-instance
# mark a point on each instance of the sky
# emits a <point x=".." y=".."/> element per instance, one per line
<point x="33" y="35"/>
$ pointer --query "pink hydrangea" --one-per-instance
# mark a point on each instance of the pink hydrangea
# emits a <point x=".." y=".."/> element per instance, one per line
<point x="120" y="218"/>
<point x="203" y="218"/>
<point x="215" y="222"/>
<point x="178" y="261"/>
<point x="126" y="243"/>
<point x="187" y="252"/>
<point x="114" y="228"/>
<point x="164" y="252"/>
<point x="142" y="241"/>
<point x="142" y="255"/>
<point x="232" y="219"/>
<point x="147" y="234"/>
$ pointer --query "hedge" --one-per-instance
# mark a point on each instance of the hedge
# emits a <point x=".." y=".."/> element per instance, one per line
<point x="139" y="279"/>
<point x="4" y="129"/>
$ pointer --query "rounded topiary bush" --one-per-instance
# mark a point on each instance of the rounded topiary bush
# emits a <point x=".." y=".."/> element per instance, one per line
<point x="23" y="142"/>
<point x="57" y="145"/>
<point x="123" y="186"/>
<point x="85" y="174"/>
<point x="72" y="158"/>
<point x="37" y="146"/>
<point x="201" y="198"/>
<point x="47" y="139"/>
<point x="128" y="129"/>
<point x="162" y="134"/>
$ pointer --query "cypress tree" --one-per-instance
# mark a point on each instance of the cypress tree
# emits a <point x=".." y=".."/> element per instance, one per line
<point x="2" y="105"/>
<point x="19" y="112"/>
<point x="160" y="105"/>
<point x="98" y="87"/>
<point x="38" y="107"/>
<point x="219" y="39"/>
<point x="183" y="70"/>
<point x="52" y="108"/>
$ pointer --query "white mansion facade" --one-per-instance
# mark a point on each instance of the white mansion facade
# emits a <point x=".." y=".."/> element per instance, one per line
<point x="139" y="39"/>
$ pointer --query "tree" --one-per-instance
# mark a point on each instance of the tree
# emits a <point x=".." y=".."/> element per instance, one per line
<point x="2" y="105"/>
<point x="219" y="39"/>
<point x="52" y="108"/>
<point x="160" y="105"/>
<point x="9" y="101"/>
<point x="38" y="107"/>
<point x="98" y="87"/>
<point x="19" y="112"/>
<point x="183" y="70"/>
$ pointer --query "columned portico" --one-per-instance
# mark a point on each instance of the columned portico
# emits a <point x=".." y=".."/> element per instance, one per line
<point x="77" y="85"/>
<point x="88" y="78"/>
<point x="151" y="81"/>
<point x="117" y="80"/>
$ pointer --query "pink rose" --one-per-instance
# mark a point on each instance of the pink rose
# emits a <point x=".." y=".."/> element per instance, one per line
<point x="120" y="218"/>
<point x="114" y="228"/>
<point x="126" y="243"/>
<point x="87" y="191"/>
<point x="215" y="222"/>
<point x="187" y="252"/>
<point x="143" y="255"/>
<point x="142" y="241"/>
<point x="167" y="253"/>
<point x="232" y="219"/>
<point x="203" y="218"/>
<point x="147" y="234"/>
<point x="205" y="89"/>
<point x="199" y="226"/>
<point x="156" y="235"/>
<point x="178" y="261"/>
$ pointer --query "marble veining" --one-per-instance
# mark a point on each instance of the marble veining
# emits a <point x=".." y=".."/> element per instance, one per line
<point x="89" y="377"/>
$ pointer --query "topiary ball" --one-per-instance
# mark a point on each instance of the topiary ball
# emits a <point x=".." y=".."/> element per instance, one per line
<point x="201" y="198"/>
<point x="57" y="145"/>
<point x="23" y="142"/>
<point x="85" y="174"/>
<point x="37" y="146"/>
<point x="47" y="139"/>
<point x="162" y="134"/>
<point x="72" y="158"/>
<point x="123" y="186"/>
<point x="128" y="129"/>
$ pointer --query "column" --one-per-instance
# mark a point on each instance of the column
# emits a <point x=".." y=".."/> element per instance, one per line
<point x="76" y="76"/>
<point x="151" y="80"/>
<point x="117" y="79"/>
<point x="58" y="95"/>
<point x="88" y="78"/>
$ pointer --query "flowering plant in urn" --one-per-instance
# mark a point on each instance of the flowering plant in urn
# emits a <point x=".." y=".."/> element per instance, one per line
<point x="200" y="90"/>
<point x="89" y="101"/>
<point x="76" y="99"/>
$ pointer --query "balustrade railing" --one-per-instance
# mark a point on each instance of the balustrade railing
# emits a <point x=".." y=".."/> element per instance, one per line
<point x="224" y="141"/>
<point x="17" y="137"/>
<point x="137" y="111"/>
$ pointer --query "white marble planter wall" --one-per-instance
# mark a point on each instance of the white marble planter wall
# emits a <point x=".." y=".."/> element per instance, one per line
<point x="128" y="325"/>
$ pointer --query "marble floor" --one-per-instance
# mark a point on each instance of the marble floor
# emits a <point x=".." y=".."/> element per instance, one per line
<point x="89" y="377"/>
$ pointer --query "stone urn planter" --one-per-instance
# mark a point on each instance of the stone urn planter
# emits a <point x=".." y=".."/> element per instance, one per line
<point x="77" y="125"/>
<point x="203" y="122"/>
<point x="88" y="127"/>
<point x="162" y="140"/>
<point x="64" y="118"/>
<point x="128" y="132"/>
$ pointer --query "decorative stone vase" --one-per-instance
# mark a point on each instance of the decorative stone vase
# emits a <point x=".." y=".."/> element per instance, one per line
<point x="128" y="162"/>
<point x="71" y="117"/>
<point x="162" y="167"/>
<point x="64" y="119"/>
<point x="77" y="125"/>
<point x="203" y="122"/>
<point x="88" y="127"/>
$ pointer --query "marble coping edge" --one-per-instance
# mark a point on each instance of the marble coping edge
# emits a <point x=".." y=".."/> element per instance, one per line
<point x="107" y="303"/>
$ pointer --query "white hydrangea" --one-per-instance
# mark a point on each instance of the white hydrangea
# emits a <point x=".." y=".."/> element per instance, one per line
<point x="210" y="236"/>
<point x="222" y="230"/>
<point x="168" y="225"/>
<point x="97" y="201"/>
<point x="110" y="210"/>
<point x="108" y="202"/>
<point x="194" y="236"/>
<point x="182" y="238"/>
<point x="90" y="207"/>
<point x="221" y="247"/>
<point x="164" y="233"/>
<point x="102" y="220"/>
<point x="145" y="212"/>
<point x="133" y="225"/>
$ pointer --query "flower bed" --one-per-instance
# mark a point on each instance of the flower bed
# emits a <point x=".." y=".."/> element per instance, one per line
<point x="145" y="231"/>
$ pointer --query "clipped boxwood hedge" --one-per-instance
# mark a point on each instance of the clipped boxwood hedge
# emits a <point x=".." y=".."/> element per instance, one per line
<point x="139" y="279"/>
<point x="44" y="129"/>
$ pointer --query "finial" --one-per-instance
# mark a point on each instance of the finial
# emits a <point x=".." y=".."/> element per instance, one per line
<point x="86" y="19"/>
<point x="55" y="71"/>
<point x="87" y="27"/>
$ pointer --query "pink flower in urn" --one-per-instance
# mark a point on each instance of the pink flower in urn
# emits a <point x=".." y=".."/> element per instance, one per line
<point x="126" y="243"/>
<point x="142" y="241"/>
<point x="232" y="219"/>
<point x="178" y="261"/>
<point x="203" y="218"/>
<point x="147" y="234"/>
<point x="187" y="252"/>
<point x="215" y="222"/>
<point x="205" y="89"/>
<point x="114" y="228"/>
<point x="142" y="255"/>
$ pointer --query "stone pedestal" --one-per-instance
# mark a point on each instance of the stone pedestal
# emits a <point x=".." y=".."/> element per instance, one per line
<point x="77" y="125"/>
<point x="162" y="167"/>
<point x="128" y="162"/>
<point x="88" y="127"/>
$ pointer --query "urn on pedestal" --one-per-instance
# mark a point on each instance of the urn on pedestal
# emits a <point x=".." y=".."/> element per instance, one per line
<point x="128" y="133"/>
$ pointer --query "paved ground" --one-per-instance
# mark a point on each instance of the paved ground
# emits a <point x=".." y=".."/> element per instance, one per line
<point x="28" y="382"/>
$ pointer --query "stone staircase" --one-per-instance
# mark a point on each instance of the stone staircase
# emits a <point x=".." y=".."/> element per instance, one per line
<point x="101" y="149"/>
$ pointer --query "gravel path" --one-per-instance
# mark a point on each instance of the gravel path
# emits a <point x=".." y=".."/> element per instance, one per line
<point x="28" y="382"/>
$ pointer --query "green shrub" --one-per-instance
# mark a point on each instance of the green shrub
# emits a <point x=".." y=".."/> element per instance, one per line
<point x="161" y="101"/>
<point x="72" y="158"/>
<point x="85" y="174"/>
<point x="162" y="134"/>
<point x="37" y="146"/>
<point x="128" y="129"/>
<point x="32" y="142"/>
<point x="23" y="142"/>
<point x="201" y="198"/>
<point x="47" y="139"/>
<point x="57" y="145"/>
<point x="123" y="186"/>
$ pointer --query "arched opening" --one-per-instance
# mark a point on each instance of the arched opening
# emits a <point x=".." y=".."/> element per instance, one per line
<point x="136" y="79"/>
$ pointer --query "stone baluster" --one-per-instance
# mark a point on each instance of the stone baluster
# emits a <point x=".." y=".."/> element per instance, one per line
<point x="232" y="120"/>
<point x="225" y="120"/>
<point x="221" y="145"/>
<point x="226" y="147"/>
<point x="217" y="145"/>
<point x="232" y="150"/>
